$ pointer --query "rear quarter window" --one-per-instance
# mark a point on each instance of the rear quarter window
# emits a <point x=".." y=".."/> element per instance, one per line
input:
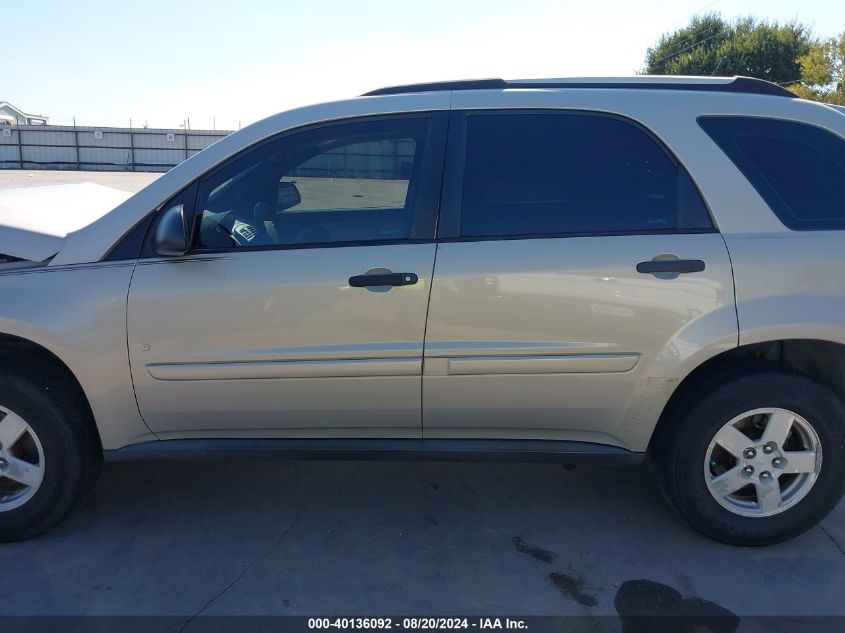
<point x="798" y="169"/>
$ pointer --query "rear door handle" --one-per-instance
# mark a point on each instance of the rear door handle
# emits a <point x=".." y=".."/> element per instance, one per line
<point x="383" y="279"/>
<point x="671" y="266"/>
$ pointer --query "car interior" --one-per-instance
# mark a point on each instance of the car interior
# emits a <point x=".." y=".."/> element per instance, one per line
<point x="306" y="193"/>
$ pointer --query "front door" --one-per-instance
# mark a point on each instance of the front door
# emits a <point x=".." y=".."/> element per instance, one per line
<point x="300" y="310"/>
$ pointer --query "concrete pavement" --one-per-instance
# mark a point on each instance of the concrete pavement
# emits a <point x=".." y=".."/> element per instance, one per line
<point x="124" y="180"/>
<point x="315" y="538"/>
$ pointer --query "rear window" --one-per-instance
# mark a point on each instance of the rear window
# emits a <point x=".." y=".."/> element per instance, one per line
<point x="798" y="169"/>
<point x="536" y="174"/>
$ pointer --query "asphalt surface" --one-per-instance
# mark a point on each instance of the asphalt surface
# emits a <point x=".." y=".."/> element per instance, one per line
<point x="376" y="538"/>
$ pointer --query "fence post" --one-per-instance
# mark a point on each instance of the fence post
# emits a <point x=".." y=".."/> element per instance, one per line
<point x="132" y="150"/>
<point x="186" y="144"/>
<point x="76" y="145"/>
<point x="20" y="147"/>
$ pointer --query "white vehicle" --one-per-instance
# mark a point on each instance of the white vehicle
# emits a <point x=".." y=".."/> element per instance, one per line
<point x="573" y="270"/>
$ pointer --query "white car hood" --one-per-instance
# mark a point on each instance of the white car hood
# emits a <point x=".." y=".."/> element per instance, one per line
<point x="34" y="221"/>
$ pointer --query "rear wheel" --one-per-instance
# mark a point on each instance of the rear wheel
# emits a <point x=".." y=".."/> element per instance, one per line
<point x="755" y="459"/>
<point x="48" y="456"/>
<point x="763" y="462"/>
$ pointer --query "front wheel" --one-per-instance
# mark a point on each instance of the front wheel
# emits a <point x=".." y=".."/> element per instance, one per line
<point x="755" y="460"/>
<point x="48" y="455"/>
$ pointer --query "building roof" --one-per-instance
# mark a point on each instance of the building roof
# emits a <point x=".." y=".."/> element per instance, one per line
<point x="21" y="112"/>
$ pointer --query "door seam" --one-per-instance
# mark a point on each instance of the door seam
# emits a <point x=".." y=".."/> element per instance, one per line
<point x="425" y="336"/>
<point x="434" y="263"/>
<point x="733" y="280"/>
<point x="129" y="351"/>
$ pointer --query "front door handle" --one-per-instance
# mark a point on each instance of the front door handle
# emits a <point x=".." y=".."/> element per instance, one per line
<point x="383" y="279"/>
<point x="671" y="266"/>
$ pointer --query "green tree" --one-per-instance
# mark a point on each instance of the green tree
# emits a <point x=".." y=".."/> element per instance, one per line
<point x="823" y="72"/>
<point x="710" y="45"/>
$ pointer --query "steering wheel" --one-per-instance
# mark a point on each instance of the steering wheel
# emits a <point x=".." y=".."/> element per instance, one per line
<point x="243" y="230"/>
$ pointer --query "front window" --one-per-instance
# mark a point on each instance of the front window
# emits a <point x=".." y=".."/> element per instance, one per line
<point x="351" y="182"/>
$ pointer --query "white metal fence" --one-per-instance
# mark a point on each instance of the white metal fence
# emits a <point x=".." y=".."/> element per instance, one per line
<point x="99" y="148"/>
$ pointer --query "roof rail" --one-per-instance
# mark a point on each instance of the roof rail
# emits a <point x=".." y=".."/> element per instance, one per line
<point x="744" y="85"/>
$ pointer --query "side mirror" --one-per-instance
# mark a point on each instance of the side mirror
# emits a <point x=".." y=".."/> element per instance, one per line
<point x="288" y="196"/>
<point x="170" y="238"/>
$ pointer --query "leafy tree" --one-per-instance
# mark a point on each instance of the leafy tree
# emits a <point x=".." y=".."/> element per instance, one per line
<point x="823" y="72"/>
<point x="710" y="45"/>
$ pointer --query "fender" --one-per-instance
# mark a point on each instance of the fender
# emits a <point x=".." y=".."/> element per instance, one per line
<point x="792" y="316"/>
<point x="88" y="334"/>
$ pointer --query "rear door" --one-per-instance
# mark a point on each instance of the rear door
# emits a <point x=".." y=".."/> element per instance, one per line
<point x="576" y="259"/>
<point x="300" y="310"/>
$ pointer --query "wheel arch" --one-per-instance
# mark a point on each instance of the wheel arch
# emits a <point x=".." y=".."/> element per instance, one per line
<point x="15" y="349"/>
<point x="820" y="360"/>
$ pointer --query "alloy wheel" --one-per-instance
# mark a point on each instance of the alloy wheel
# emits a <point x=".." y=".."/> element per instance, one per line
<point x="21" y="461"/>
<point x="763" y="462"/>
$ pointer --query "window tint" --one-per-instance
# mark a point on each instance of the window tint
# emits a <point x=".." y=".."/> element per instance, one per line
<point x="798" y="169"/>
<point x="545" y="174"/>
<point x="353" y="182"/>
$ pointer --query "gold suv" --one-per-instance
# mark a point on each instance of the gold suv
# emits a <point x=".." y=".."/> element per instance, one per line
<point x="587" y="270"/>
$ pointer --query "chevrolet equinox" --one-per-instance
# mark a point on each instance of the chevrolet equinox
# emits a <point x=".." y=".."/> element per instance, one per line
<point x="646" y="269"/>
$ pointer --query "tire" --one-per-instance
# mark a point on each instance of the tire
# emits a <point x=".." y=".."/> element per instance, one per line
<point x="65" y="447"/>
<point x="687" y="437"/>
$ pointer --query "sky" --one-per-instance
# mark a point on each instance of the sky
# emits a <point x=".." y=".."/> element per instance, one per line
<point x="228" y="64"/>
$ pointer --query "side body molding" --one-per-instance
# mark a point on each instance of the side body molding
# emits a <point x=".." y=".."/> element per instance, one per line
<point x="256" y="370"/>
<point x="569" y="364"/>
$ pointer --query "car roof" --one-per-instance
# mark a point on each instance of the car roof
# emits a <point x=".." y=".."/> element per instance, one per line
<point x="738" y="84"/>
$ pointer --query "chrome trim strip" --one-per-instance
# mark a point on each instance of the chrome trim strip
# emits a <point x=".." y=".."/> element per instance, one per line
<point x="345" y="351"/>
<point x="571" y="364"/>
<point x="441" y="349"/>
<point x="286" y="369"/>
